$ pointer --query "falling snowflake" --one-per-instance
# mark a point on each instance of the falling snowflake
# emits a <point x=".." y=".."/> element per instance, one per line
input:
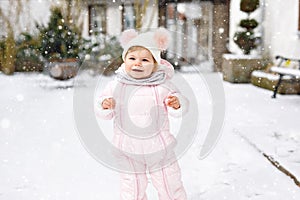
<point x="5" y="123"/>
<point x="20" y="97"/>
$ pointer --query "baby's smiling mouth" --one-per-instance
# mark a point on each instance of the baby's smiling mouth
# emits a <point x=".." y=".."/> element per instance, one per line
<point x="137" y="70"/>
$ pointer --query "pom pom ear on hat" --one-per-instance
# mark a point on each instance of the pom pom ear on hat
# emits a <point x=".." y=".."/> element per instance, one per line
<point x="127" y="36"/>
<point x="155" y="41"/>
<point x="162" y="38"/>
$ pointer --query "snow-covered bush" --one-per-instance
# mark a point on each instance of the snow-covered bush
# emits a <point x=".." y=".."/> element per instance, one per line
<point x="59" y="38"/>
<point x="28" y="56"/>
<point x="246" y="39"/>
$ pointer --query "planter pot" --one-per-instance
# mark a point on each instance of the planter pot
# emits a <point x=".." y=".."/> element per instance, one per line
<point x="63" y="69"/>
<point x="238" y="68"/>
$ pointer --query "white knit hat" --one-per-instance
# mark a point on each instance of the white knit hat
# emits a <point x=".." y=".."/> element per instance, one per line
<point x="154" y="41"/>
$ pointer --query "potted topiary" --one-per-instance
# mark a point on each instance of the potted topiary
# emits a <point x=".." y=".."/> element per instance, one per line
<point x="24" y="54"/>
<point x="238" y="68"/>
<point x="60" y="43"/>
<point x="246" y="39"/>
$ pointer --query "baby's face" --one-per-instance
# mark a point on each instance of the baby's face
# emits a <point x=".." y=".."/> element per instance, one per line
<point x="139" y="64"/>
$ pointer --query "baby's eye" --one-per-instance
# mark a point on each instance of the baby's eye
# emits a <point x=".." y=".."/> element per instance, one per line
<point x="145" y="60"/>
<point x="131" y="58"/>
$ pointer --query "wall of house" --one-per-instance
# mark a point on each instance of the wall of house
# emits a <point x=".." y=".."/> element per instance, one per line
<point x="39" y="11"/>
<point x="220" y="33"/>
<point x="114" y="17"/>
<point x="279" y="24"/>
<point x="114" y="24"/>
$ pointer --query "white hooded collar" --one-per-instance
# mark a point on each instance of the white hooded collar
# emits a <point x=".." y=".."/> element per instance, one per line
<point x="156" y="78"/>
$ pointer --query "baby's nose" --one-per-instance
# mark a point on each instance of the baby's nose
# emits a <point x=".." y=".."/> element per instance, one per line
<point x="138" y="63"/>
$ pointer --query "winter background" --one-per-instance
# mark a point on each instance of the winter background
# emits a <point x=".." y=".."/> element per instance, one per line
<point x="41" y="156"/>
<point x="257" y="156"/>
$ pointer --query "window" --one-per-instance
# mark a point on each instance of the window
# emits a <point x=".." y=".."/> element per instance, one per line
<point x="97" y="19"/>
<point x="128" y="17"/>
<point x="99" y="15"/>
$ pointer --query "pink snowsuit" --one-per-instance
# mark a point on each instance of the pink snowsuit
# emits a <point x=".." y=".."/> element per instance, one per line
<point x="141" y="127"/>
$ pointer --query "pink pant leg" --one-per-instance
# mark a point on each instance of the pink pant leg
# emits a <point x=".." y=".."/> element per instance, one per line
<point x="133" y="185"/>
<point x="168" y="184"/>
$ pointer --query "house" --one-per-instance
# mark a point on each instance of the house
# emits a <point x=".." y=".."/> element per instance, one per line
<point x="192" y="23"/>
<point x="202" y="30"/>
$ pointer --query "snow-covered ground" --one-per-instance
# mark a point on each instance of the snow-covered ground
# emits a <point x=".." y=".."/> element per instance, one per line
<point x="41" y="156"/>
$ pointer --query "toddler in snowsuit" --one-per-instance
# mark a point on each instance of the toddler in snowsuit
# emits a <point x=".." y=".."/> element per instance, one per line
<point x="140" y="100"/>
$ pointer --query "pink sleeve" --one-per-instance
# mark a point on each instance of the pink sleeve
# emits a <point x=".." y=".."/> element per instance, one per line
<point x="169" y="69"/>
<point x="184" y="105"/>
<point x="184" y="102"/>
<point x="106" y="114"/>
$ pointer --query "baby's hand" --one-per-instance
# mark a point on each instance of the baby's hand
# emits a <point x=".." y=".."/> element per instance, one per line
<point x="108" y="103"/>
<point x="173" y="101"/>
